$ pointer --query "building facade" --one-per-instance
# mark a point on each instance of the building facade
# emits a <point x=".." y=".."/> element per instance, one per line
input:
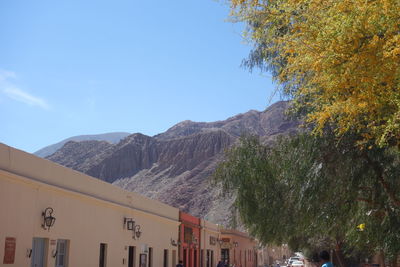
<point x="238" y="248"/>
<point x="189" y="240"/>
<point x="54" y="216"/>
<point x="210" y="249"/>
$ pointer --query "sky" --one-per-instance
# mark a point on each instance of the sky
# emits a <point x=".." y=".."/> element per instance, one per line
<point x="88" y="67"/>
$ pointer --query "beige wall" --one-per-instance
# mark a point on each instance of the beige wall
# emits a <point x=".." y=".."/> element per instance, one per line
<point x="210" y="230"/>
<point x="88" y="212"/>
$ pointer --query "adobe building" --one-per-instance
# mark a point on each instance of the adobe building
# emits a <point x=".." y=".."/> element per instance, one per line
<point x="210" y="249"/>
<point x="238" y="248"/>
<point x="54" y="216"/>
<point x="189" y="240"/>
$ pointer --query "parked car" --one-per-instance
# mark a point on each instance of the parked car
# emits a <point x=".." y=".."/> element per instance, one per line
<point x="291" y="260"/>
<point x="297" y="264"/>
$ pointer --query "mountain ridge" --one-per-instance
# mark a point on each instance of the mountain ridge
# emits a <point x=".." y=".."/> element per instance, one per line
<point x="174" y="167"/>
<point x="113" y="137"/>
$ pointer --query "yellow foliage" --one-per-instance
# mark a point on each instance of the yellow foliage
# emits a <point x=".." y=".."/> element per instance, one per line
<point x="342" y="59"/>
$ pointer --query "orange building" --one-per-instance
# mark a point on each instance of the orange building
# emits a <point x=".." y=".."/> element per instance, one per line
<point x="189" y="239"/>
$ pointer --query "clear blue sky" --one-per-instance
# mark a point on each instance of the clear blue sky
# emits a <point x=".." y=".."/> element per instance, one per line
<point x="77" y="67"/>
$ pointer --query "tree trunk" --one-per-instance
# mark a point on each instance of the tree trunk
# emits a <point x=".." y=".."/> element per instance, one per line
<point x="339" y="256"/>
<point x="381" y="259"/>
<point x="380" y="173"/>
<point x="395" y="261"/>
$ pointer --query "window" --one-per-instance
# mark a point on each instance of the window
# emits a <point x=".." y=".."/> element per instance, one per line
<point x="62" y="253"/>
<point x="188" y="235"/>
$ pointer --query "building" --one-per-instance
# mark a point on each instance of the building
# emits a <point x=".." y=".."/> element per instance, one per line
<point x="189" y="240"/>
<point x="238" y="248"/>
<point x="210" y="248"/>
<point x="54" y="216"/>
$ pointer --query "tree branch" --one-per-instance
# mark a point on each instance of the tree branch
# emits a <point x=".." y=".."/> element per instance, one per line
<point x="380" y="174"/>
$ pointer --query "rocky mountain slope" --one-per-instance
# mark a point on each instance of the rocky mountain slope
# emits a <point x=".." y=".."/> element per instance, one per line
<point x="112" y="138"/>
<point x="174" y="166"/>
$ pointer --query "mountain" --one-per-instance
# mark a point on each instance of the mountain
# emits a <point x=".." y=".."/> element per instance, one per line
<point x="174" y="166"/>
<point x="112" y="138"/>
<point x="267" y="123"/>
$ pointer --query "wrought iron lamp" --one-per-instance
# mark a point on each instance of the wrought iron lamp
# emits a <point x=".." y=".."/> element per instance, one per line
<point x="136" y="232"/>
<point x="48" y="219"/>
<point x="129" y="223"/>
<point x="174" y="243"/>
<point x="235" y="244"/>
<point x="132" y="226"/>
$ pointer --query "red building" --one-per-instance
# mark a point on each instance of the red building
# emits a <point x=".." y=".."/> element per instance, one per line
<point x="189" y="237"/>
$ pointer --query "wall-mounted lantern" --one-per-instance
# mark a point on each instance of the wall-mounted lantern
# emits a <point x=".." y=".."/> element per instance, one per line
<point x="220" y="241"/>
<point x="48" y="219"/>
<point x="130" y="224"/>
<point x="235" y="244"/>
<point x="174" y="242"/>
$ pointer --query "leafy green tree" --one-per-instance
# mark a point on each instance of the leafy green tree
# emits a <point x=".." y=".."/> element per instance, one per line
<point x="305" y="189"/>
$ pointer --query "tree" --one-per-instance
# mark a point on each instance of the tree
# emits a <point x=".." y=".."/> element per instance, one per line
<point x="307" y="189"/>
<point x="338" y="59"/>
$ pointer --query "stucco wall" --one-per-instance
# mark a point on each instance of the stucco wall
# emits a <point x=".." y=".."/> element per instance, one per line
<point x="210" y="230"/>
<point x="87" y="211"/>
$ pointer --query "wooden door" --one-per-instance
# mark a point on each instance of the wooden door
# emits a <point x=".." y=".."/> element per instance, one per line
<point x="38" y="249"/>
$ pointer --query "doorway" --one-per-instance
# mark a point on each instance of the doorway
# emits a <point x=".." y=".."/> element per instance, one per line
<point x="131" y="256"/>
<point x="150" y="257"/>
<point x="225" y="255"/>
<point x="103" y="255"/>
<point x="38" y="252"/>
